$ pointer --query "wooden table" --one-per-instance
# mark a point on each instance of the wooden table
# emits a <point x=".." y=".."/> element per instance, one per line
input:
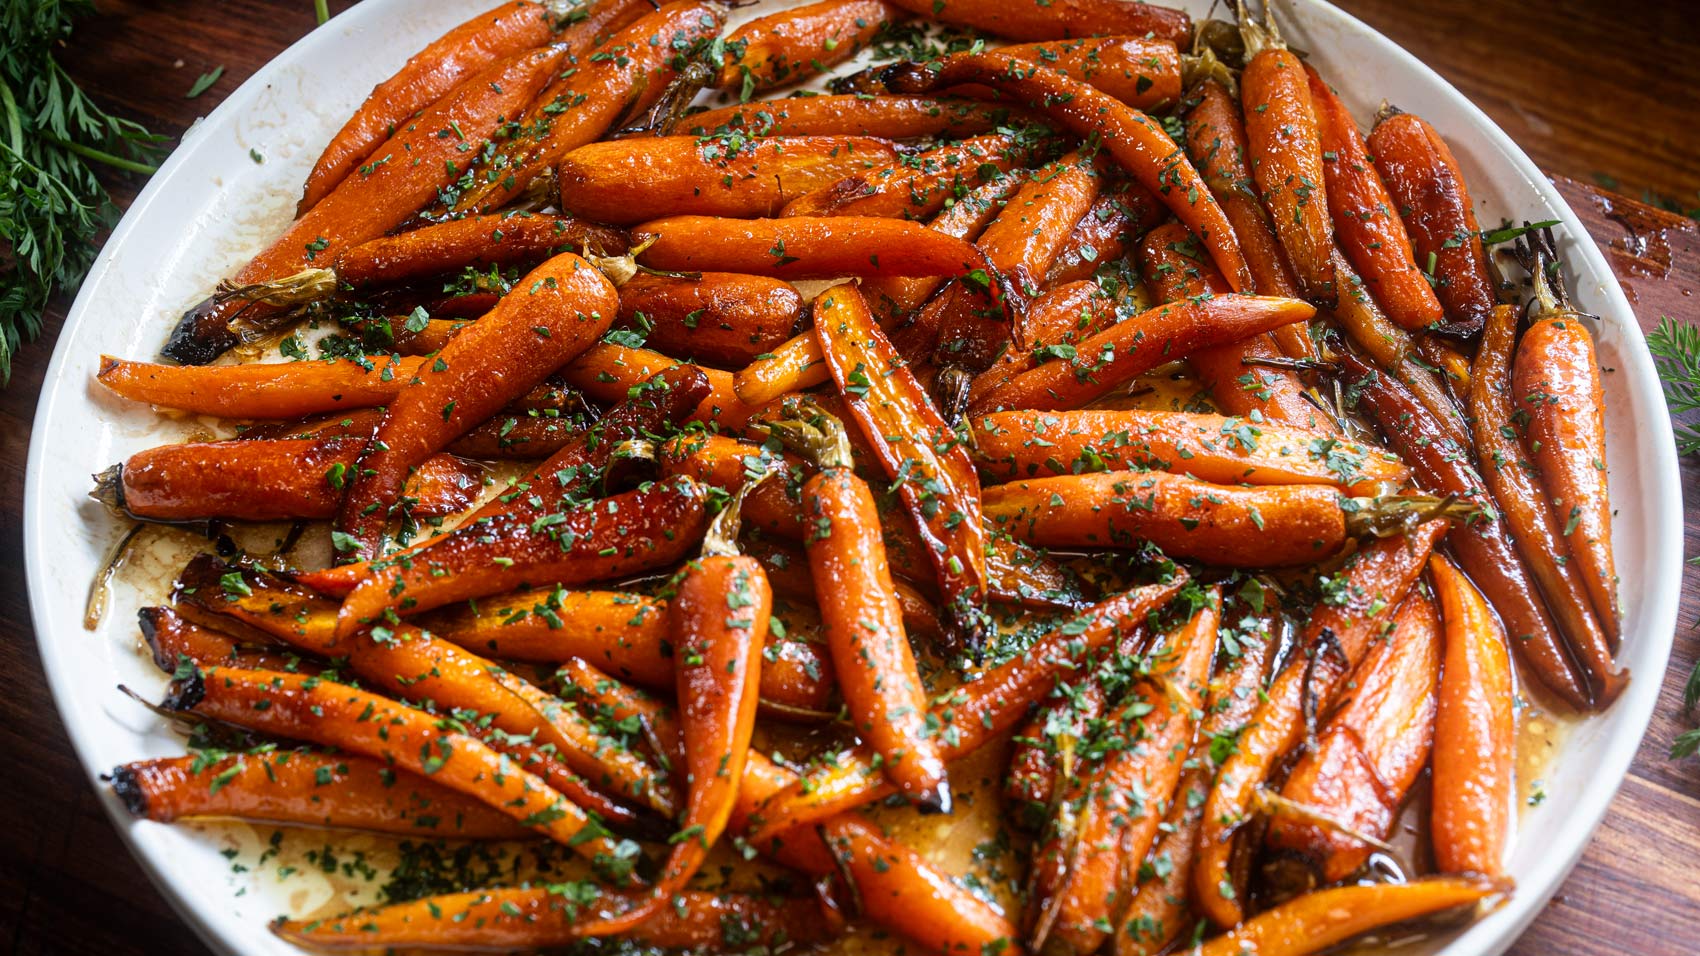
<point x="1589" y="89"/>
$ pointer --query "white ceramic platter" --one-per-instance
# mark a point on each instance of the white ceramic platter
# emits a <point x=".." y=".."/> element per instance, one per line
<point x="212" y="206"/>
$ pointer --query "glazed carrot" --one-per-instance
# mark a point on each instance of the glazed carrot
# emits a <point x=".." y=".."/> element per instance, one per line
<point x="259" y="480"/>
<point x="1513" y="481"/>
<point x="607" y="372"/>
<point x="552" y="315"/>
<point x="1335" y="639"/>
<point x="632" y="180"/>
<point x="306" y="789"/>
<point x="876" y="670"/>
<point x="1058" y="19"/>
<point x="1318" y="921"/>
<point x="424" y="155"/>
<point x="1120" y="215"/>
<point x="894" y="298"/>
<point x="720" y="318"/>
<point x="622" y="633"/>
<point x="527" y="435"/>
<point x="1428" y="190"/>
<point x="1484" y="549"/>
<point x="515" y="238"/>
<point x="806" y="247"/>
<point x="1113" y="357"/>
<point x="1143" y="72"/>
<point x="1136" y="141"/>
<point x="531" y="917"/>
<point x="937" y="482"/>
<point x="1214" y="448"/>
<point x="790" y="46"/>
<point x="626" y="534"/>
<point x="791" y="366"/>
<point x="1174" y="268"/>
<point x="507" y="29"/>
<point x="623" y="76"/>
<point x="915" y="186"/>
<point x="891" y="117"/>
<point x="1368" y="755"/>
<point x="718" y="624"/>
<point x="718" y="461"/>
<point x="968" y="717"/>
<point x="1284" y="148"/>
<point x="365" y="724"/>
<point x="1475" y="732"/>
<point x="1556" y="381"/>
<point x="1044" y="760"/>
<point x="171" y="639"/>
<point x="1117" y="807"/>
<point x="261" y="390"/>
<point x="1055" y="322"/>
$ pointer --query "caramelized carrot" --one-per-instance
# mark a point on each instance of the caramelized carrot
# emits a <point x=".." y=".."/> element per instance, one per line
<point x="171" y="639"/>
<point x="720" y="318"/>
<point x="306" y="789"/>
<point x="261" y="390"/>
<point x="1214" y="448"/>
<point x="1113" y="357"/>
<point x="1368" y="755"/>
<point x="1428" y="190"/>
<point x="1136" y="141"/>
<point x="422" y="156"/>
<point x="1120" y="215"/>
<point x="806" y="247"/>
<point x="632" y="180"/>
<point x="917" y="186"/>
<point x="1141" y="71"/>
<point x="1055" y="322"/>
<point x="1475" y="732"/>
<point x="890" y="117"/>
<point x="790" y="46"/>
<point x="514" y="238"/>
<point x="1335" y="639"/>
<point x="607" y="373"/>
<point x="792" y="366"/>
<point x="1058" y="19"/>
<point x="894" y="298"/>
<point x="622" y="633"/>
<point x="1318" y="921"/>
<point x="280" y="480"/>
<point x="552" y="315"/>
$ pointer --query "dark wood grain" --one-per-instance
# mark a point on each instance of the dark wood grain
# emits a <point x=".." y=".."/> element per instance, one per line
<point x="1587" y="88"/>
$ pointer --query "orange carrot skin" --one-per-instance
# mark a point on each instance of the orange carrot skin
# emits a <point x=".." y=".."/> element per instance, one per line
<point x="723" y="319"/>
<point x="890" y="117"/>
<point x="804" y="247"/>
<point x="1334" y="641"/>
<point x="1318" y="921"/>
<point x="548" y="916"/>
<point x="1214" y="448"/>
<point x="1142" y="72"/>
<point x="1035" y="768"/>
<point x="280" y="480"/>
<point x="1062" y="316"/>
<point x="444" y="248"/>
<point x="622" y="633"/>
<point x="423" y="156"/>
<point x="1483" y="548"/>
<point x="864" y="626"/>
<point x="1427" y="186"/>
<point x="606" y="373"/>
<point x="628" y="181"/>
<point x="261" y="390"/>
<point x="792" y="366"/>
<point x="790" y="46"/>
<point x="306" y="789"/>
<point x="1368" y="755"/>
<point x="1285" y="150"/>
<point x="1137" y="142"/>
<point x="1059" y="19"/>
<point x="171" y="637"/>
<point x="553" y="314"/>
<point x="895" y="298"/>
<point x="1475" y="732"/>
<point x="917" y="186"/>
<point x="1268" y="525"/>
<point x="1120" y="215"/>
<point x="1366" y="220"/>
<point x="1556" y="380"/>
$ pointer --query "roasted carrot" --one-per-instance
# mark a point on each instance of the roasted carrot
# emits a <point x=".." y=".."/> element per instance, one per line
<point x="915" y="186"/>
<point x="1427" y="186"/>
<point x="1113" y="357"/>
<point x="280" y="480"/>
<point x="1058" y="19"/>
<point x="1318" y="921"/>
<point x="1055" y="322"/>
<point x="624" y="75"/>
<point x="1214" y="448"/>
<point x="1366" y="757"/>
<point x="1484" y="549"/>
<point x="1284" y="147"/>
<point x="1335" y="639"/>
<point x="807" y="247"/>
<point x="421" y="157"/>
<point x="171" y="639"/>
<point x="555" y="313"/>
<point x="1136" y="141"/>
<point x="891" y="117"/>
<point x="791" y="366"/>
<point x="623" y="633"/>
<point x="723" y="319"/>
<point x="895" y="297"/>
<point x="514" y="238"/>
<point x="1114" y="810"/>
<point x="1120" y="215"/>
<point x="306" y="789"/>
<point x="876" y="669"/>
<point x="261" y="390"/>
<point x="1366" y="219"/>
<point x="1556" y="383"/>
<point x="1141" y="71"/>
<point x="607" y="373"/>
<point x="790" y="46"/>
<point x="632" y="180"/>
<point x="1475" y="732"/>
